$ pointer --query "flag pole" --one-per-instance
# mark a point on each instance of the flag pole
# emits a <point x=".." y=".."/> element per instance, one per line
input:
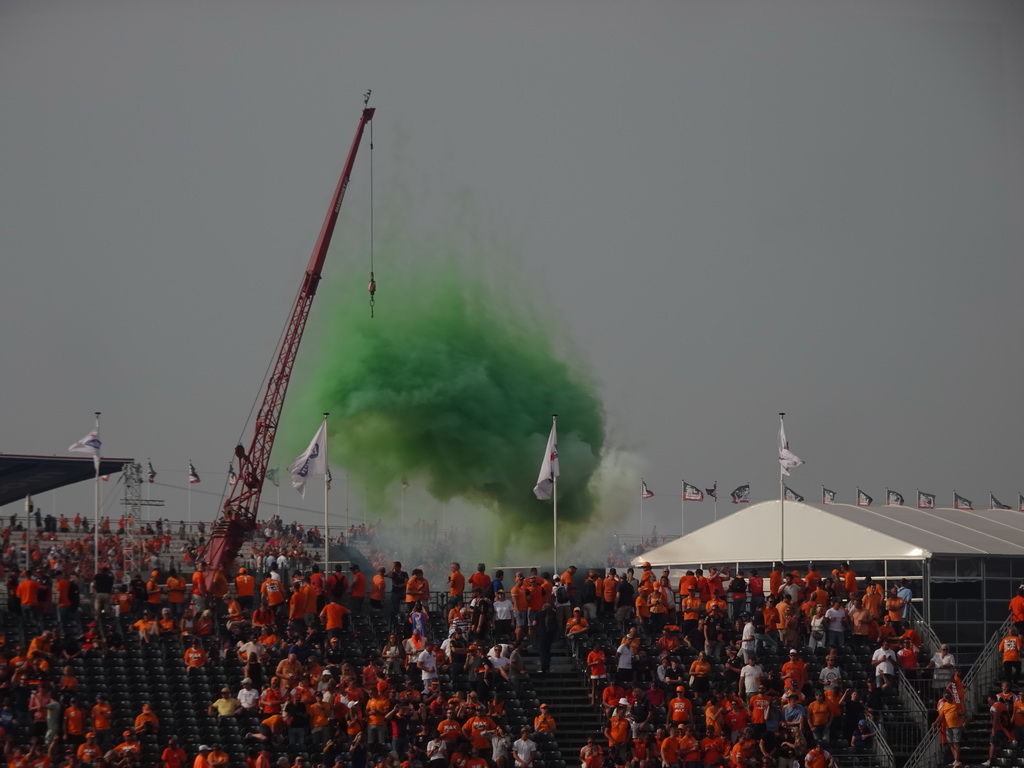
<point x="641" y="511"/>
<point x="96" y="510"/>
<point x="327" y="524"/>
<point x="782" y="507"/>
<point x="554" y="498"/>
<point x="189" y="484"/>
<point x="716" y="500"/>
<point x="682" y="507"/>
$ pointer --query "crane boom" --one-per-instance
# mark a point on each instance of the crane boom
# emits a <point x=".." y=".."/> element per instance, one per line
<point x="238" y="517"/>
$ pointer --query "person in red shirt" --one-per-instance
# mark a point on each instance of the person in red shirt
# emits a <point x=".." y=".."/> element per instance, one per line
<point x="480" y="580"/>
<point x="173" y="755"/>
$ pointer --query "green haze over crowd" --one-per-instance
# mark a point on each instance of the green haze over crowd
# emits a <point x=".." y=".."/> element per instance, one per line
<point x="452" y="385"/>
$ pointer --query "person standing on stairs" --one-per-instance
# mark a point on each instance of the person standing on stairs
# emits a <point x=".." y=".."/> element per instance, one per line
<point x="545" y="630"/>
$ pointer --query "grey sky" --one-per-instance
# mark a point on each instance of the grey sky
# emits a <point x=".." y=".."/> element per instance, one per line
<point x="732" y="208"/>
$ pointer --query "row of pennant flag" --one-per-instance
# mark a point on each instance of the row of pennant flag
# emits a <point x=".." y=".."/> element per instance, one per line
<point x="312" y="461"/>
<point x="741" y="495"/>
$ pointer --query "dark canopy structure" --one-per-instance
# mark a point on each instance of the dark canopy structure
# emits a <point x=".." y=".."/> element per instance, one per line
<point x="22" y="476"/>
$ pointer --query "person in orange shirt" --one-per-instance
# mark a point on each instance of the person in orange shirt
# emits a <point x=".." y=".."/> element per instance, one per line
<point x="744" y="749"/>
<point x="245" y="589"/>
<point x="819" y="717"/>
<point x="175" y="594"/>
<point x="849" y="580"/>
<point x="1017" y="609"/>
<point x="334" y="617"/>
<point x="951" y="714"/>
<point x="1009" y="646"/>
<point x="713" y="750"/>
<point x="63" y="589"/>
<point x="478" y="728"/>
<point x="28" y="595"/>
<point x="129" y="750"/>
<point x="544" y="722"/>
<point x="122" y="602"/>
<point x="173" y="755"/>
<point x="456" y="585"/>
<point x="101" y="717"/>
<point x="357" y="589"/>
<point x="147" y="721"/>
<point x="146" y="627"/>
<point x="199" y="592"/>
<point x="618" y="733"/>
<point x="89" y="752"/>
<point x="680" y="709"/>
<point x="202" y="759"/>
<point x="450" y="729"/>
<point x="689" y="749"/>
<point x="795" y="669"/>
<point x="272" y="590"/>
<point x="297" y="609"/>
<point x="311" y="608"/>
<point x="417" y="590"/>
<point x="818" y="757"/>
<point x="775" y="579"/>
<point x="760" y="703"/>
<point x="670" y="748"/>
<point x="377" y="709"/>
<point x="378" y="590"/>
<point x="597" y="668"/>
<point x="166" y="624"/>
<point x="74" y="723"/>
<point x="154" y="594"/>
<point x="195" y="657"/>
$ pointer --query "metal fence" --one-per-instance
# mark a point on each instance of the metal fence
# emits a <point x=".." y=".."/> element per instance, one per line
<point x="981" y="678"/>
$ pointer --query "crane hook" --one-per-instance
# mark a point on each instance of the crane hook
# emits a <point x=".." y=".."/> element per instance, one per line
<point x="372" y="288"/>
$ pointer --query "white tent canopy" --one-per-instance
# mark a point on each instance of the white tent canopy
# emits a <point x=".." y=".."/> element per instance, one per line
<point x="839" y="532"/>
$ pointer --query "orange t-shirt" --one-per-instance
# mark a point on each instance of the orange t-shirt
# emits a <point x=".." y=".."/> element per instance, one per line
<point x="456" y="584"/>
<point x="680" y="710"/>
<point x="101" y="717"/>
<point x="74" y="721"/>
<point x="245" y="585"/>
<point x="1010" y="646"/>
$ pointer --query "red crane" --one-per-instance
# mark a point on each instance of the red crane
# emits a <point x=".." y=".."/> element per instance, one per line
<point x="239" y="512"/>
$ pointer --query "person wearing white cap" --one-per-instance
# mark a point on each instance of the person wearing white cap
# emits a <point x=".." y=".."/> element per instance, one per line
<point x="248" y="696"/>
<point x="201" y="761"/>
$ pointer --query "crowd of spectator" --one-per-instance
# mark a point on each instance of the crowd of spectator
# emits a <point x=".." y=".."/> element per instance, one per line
<point x="688" y="679"/>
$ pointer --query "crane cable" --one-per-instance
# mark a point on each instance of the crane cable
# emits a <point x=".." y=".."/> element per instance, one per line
<point x="372" y="287"/>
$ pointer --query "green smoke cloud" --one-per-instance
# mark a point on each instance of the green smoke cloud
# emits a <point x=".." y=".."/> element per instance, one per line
<point x="452" y="384"/>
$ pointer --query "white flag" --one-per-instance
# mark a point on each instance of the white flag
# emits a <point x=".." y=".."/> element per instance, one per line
<point x="89" y="444"/>
<point x="313" y="461"/>
<point x="544" y="489"/>
<point x="787" y="459"/>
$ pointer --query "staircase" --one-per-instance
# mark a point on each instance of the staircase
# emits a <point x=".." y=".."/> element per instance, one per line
<point x="980" y="680"/>
<point x="565" y="690"/>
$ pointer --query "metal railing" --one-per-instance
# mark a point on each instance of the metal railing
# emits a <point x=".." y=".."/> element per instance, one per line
<point x="980" y="678"/>
<point x="911" y="702"/>
<point x="924" y="629"/>
<point x="883" y="740"/>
